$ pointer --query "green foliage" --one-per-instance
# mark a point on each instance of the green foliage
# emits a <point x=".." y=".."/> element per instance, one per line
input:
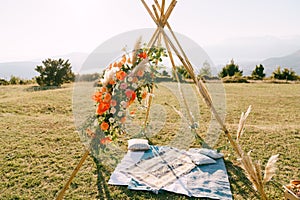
<point x="14" y="80"/>
<point x="231" y="69"/>
<point x="285" y="74"/>
<point x="182" y="72"/>
<point x="54" y="72"/>
<point x="88" y="77"/>
<point x="205" y="71"/>
<point x="258" y="72"/>
<point x="4" y="82"/>
<point x="235" y="79"/>
<point x="165" y="73"/>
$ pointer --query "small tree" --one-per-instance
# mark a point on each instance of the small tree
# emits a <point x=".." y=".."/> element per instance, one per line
<point x="285" y="74"/>
<point x="205" y="71"/>
<point x="54" y="72"/>
<point x="14" y="80"/>
<point x="258" y="72"/>
<point x="231" y="69"/>
<point x="181" y="70"/>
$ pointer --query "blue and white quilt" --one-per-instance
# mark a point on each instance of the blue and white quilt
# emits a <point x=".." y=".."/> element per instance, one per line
<point x="195" y="173"/>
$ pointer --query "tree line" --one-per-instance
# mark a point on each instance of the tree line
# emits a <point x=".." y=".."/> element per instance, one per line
<point x="54" y="73"/>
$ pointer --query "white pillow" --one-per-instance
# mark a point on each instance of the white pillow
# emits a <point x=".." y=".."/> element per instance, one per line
<point x="208" y="152"/>
<point x="200" y="159"/>
<point x="138" y="145"/>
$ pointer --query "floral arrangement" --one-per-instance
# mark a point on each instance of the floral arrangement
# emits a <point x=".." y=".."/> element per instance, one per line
<point x="129" y="79"/>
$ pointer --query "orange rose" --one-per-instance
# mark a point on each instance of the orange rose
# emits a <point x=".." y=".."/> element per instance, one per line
<point x="143" y="55"/>
<point x="112" y="82"/>
<point x="102" y="108"/>
<point x="103" y="89"/>
<point x="104" y="126"/>
<point x="97" y="97"/>
<point x="107" y="98"/>
<point x="121" y="75"/>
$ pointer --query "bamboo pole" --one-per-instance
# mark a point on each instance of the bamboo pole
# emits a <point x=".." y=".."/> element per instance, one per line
<point x="149" y="11"/>
<point x="162" y="9"/>
<point x="168" y="12"/>
<point x="62" y="192"/>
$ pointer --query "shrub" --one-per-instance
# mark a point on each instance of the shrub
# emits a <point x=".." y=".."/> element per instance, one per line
<point x="54" y="72"/>
<point x="231" y="69"/>
<point x="285" y="74"/>
<point x="258" y="72"/>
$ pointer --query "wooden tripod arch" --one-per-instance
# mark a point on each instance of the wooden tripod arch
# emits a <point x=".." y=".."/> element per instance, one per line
<point x="160" y="14"/>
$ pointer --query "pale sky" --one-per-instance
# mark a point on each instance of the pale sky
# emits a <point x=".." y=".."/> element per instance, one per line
<point x="32" y="29"/>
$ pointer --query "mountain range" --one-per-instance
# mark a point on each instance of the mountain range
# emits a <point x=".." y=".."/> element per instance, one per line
<point x="246" y="52"/>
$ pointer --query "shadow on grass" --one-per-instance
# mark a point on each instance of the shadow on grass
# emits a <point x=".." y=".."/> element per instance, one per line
<point x="40" y="88"/>
<point x="103" y="190"/>
<point x="239" y="183"/>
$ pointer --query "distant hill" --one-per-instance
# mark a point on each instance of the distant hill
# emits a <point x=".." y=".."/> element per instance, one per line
<point x="26" y="70"/>
<point x="249" y="49"/>
<point x="20" y="69"/>
<point x="288" y="61"/>
<point x="270" y="64"/>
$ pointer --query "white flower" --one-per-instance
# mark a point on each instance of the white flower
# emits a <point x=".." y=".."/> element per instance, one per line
<point x="124" y="104"/>
<point x="140" y="67"/>
<point x="113" y="110"/>
<point x="111" y="120"/>
<point x="129" y="79"/>
<point x="134" y="85"/>
<point x="120" y="114"/>
<point x="108" y="75"/>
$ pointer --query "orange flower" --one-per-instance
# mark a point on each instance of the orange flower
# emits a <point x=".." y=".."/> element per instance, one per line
<point x="112" y="82"/>
<point x="103" y="89"/>
<point x="113" y="102"/>
<point x="120" y="64"/>
<point x="135" y="79"/>
<point x="130" y="95"/>
<point x="140" y="73"/>
<point x="105" y="140"/>
<point x="123" y="119"/>
<point x="90" y="133"/>
<point x="97" y="97"/>
<point x="132" y="112"/>
<point x="121" y="75"/>
<point x="129" y="61"/>
<point x="123" y="59"/>
<point x="144" y="95"/>
<point x="143" y="55"/>
<point x="115" y="64"/>
<point x="107" y="98"/>
<point x="102" y="108"/>
<point x="104" y="126"/>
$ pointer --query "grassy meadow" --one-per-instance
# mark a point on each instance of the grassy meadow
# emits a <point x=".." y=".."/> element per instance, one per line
<point x="40" y="146"/>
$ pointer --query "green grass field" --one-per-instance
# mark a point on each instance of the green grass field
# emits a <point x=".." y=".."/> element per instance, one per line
<point x="40" y="146"/>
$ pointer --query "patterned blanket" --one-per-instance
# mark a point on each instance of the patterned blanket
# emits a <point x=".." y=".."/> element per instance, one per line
<point x="173" y="170"/>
